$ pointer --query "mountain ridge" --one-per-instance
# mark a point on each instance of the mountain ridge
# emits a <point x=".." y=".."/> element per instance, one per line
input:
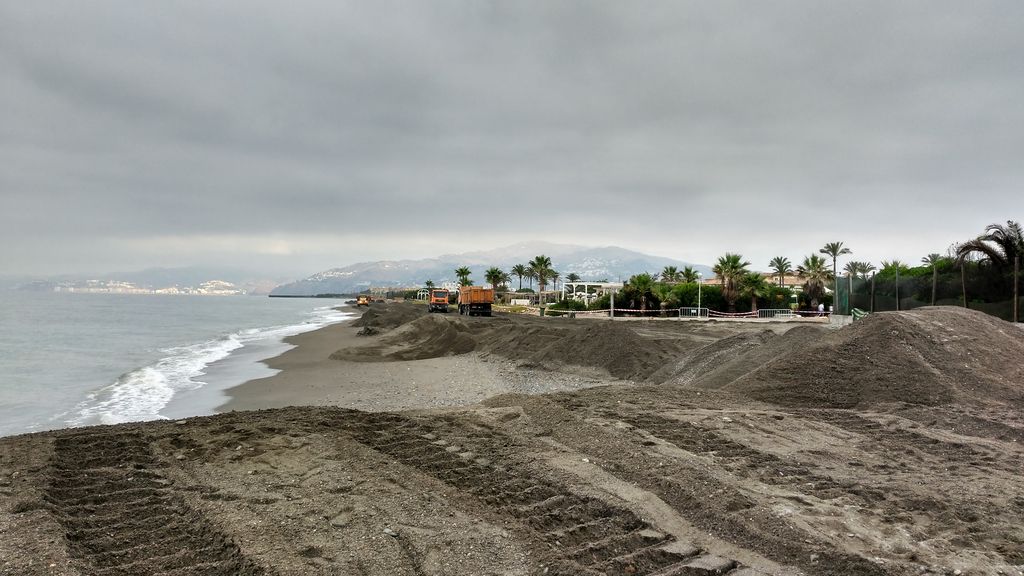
<point x="590" y="263"/>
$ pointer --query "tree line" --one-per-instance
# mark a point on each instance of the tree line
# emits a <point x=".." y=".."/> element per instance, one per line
<point x="990" y="260"/>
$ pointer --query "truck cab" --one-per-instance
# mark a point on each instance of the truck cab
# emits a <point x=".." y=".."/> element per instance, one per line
<point x="438" y="301"/>
<point x="362" y="300"/>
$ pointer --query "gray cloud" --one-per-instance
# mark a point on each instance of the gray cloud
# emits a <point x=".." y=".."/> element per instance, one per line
<point x="323" y="133"/>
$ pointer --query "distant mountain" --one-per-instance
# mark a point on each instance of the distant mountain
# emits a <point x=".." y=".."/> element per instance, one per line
<point x="606" y="263"/>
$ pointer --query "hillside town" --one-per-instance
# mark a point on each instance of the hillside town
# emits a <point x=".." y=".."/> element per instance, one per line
<point x="208" y="288"/>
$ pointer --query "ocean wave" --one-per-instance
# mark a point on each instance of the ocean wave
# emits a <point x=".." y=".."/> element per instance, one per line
<point x="142" y="393"/>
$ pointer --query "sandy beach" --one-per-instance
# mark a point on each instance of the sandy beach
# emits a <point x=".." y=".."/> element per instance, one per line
<point x="310" y="377"/>
<point x="407" y="443"/>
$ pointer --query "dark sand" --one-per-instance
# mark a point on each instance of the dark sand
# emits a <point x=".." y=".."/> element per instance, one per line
<point x="893" y="446"/>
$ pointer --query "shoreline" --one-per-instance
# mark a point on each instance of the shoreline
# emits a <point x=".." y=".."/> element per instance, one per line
<point x="308" y="376"/>
<point x="242" y="365"/>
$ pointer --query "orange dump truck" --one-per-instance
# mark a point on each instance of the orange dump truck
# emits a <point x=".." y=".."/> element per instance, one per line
<point x="438" y="301"/>
<point x="475" y="300"/>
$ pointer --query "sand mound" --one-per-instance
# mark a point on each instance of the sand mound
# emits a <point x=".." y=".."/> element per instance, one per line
<point x="724" y="361"/>
<point x="428" y="336"/>
<point x="927" y="356"/>
<point x="389" y="316"/>
<point x="615" y="347"/>
<point x="618" y="348"/>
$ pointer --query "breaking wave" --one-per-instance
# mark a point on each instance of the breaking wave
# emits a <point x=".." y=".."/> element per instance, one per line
<point x="142" y="393"/>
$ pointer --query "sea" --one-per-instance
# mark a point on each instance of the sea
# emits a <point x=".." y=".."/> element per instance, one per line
<point x="69" y="360"/>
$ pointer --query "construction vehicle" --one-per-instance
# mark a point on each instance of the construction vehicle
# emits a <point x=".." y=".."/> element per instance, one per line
<point x="363" y="300"/>
<point x="438" y="301"/>
<point x="475" y="300"/>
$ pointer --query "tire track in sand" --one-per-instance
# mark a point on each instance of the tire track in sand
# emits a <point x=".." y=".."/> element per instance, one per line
<point x="580" y="534"/>
<point x="121" y="517"/>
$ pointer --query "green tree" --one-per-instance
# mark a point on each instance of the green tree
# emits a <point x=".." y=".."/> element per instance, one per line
<point x="664" y="293"/>
<point x="865" y="268"/>
<point x="689" y="274"/>
<point x="753" y="286"/>
<point x="541" y="266"/>
<point x="521" y="271"/>
<point x="835" y="250"/>
<point x="999" y="245"/>
<point x="494" y="277"/>
<point x="463" y="273"/>
<point x="933" y="260"/>
<point x="894" y="266"/>
<point x="643" y="286"/>
<point x="429" y="284"/>
<point x="730" y="268"/>
<point x="781" y="266"/>
<point x="670" y="274"/>
<point x="815" y="274"/>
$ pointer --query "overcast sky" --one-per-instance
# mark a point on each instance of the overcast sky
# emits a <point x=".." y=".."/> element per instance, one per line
<point x="298" y="136"/>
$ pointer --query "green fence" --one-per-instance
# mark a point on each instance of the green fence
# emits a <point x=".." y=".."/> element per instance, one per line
<point x="978" y="286"/>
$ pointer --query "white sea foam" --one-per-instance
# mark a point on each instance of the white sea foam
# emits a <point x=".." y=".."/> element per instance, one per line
<point x="142" y="393"/>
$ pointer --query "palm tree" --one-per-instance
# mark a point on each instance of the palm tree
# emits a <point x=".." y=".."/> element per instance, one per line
<point x="505" y="279"/>
<point x="814" y="271"/>
<point x="541" y="266"/>
<point x="858" y="269"/>
<point x="893" y="267"/>
<point x="933" y="260"/>
<point x="865" y="268"/>
<point x="520" y="271"/>
<point x="572" y="278"/>
<point x="493" y="276"/>
<point x="463" y="273"/>
<point x="781" y="266"/>
<point x="554" y="278"/>
<point x="753" y="286"/>
<point x="730" y="268"/>
<point x="429" y="284"/>
<point x="664" y="294"/>
<point x="689" y="275"/>
<point x="999" y="245"/>
<point x="643" y="284"/>
<point x="835" y="250"/>
<point x="670" y="274"/>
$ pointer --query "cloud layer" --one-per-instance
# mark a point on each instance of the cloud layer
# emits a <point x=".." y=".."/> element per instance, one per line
<point x="299" y="138"/>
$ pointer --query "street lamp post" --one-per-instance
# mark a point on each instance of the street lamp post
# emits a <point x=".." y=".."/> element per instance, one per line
<point x="699" y="275"/>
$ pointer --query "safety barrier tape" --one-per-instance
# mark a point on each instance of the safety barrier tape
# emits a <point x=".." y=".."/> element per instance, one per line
<point x="717" y="314"/>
